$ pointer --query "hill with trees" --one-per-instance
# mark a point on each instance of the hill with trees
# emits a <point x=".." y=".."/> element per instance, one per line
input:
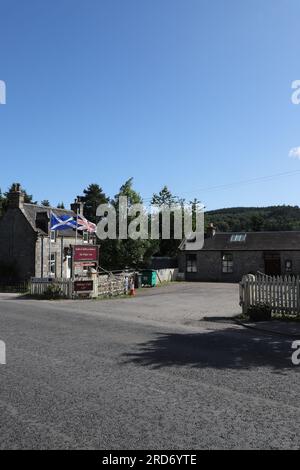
<point x="255" y="219"/>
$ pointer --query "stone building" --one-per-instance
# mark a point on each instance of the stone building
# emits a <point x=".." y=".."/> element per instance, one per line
<point x="28" y="248"/>
<point x="226" y="257"/>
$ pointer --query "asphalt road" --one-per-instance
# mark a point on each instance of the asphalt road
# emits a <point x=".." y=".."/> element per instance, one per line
<point x="79" y="375"/>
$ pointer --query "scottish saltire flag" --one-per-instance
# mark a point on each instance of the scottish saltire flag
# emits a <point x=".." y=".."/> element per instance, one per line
<point x="84" y="224"/>
<point x="62" y="222"/>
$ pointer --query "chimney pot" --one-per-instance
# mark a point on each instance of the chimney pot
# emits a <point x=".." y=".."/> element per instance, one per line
<point x="77" y="206"/>
<point x="15" y="197"/>
<point x="211" y="230"/>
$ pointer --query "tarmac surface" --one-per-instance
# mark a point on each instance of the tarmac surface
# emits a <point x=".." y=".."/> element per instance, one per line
<point x="145" y="373"/>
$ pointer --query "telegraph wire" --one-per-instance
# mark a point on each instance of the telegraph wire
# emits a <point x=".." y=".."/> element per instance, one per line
<point x="236" y="183"/>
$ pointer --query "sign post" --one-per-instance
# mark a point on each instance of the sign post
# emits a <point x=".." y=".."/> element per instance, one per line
<point x="83" y="286"/>
<point x="83" y="257"/>
<point x="85" y="253"/>
<point x="85" y="281"/>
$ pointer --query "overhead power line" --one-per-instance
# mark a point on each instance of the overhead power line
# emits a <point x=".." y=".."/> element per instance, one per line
<point x="236" y="183"/>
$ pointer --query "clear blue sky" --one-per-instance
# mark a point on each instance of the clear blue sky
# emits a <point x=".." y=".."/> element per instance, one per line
<point x="189" y="93"/>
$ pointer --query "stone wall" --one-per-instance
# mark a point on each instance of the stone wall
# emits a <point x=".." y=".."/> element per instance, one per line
<point x="17" y="244"/>
<point x="25" y="253"/>
<point x="57" y="248"/>
<point x="209" y="264"/>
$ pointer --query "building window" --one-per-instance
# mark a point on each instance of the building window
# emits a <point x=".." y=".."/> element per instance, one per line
<point x="53" y="236"/>
<point x="227" y="263"/>
<point x="238" y="237"/>
<point x="288" y="266"/>
<point x="53" y="264"/>
<point x="85" y="236"/>
<point x="191" y="263"/>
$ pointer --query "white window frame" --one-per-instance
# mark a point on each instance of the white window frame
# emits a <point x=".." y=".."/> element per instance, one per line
<point x="227" y="263"/>
<point x="52" y="264"/>
<point x="53" y="236"/>
<point x="85" y="236"/>
<point x="191" y="264"/>
<point x="288" y="266"/>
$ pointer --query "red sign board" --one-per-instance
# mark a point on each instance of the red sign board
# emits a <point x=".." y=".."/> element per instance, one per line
<point x="83" y="286"/>
<point x="85" y="253"/>
<point x="84" y="264"/>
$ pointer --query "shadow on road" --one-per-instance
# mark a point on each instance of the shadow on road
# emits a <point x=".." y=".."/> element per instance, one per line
<point x="222" y="349"/>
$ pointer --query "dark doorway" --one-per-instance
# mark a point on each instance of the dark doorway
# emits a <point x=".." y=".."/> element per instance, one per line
<point x="273" y="265"/>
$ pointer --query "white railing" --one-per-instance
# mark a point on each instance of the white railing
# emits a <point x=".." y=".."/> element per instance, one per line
<point x="167" y="274"/>
<point x="40" y="286"/>
<point x="281" y="293"/>
<point x="108" y="285"/>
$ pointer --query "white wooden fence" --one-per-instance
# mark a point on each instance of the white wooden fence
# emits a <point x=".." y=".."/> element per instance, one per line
<point x="111" y="285"/>
<point x="282" y="293"/>
<point x="108" y="284"/>
<point x="167" y="274"/>
<point x="40" y="286"/>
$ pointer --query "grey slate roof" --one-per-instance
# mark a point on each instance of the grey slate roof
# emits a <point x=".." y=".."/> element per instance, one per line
<point x="30" y="211"/>
<point x="255" y="241"/>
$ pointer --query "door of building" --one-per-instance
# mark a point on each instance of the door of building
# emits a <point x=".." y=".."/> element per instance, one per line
<point x="273" y="265"/>
<point x="68" y="266"/>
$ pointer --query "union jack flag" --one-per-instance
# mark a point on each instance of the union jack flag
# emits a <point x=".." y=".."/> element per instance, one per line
<point x="84" y="224"/>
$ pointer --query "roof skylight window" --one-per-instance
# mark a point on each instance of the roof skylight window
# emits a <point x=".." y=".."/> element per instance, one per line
<point x="238" y="237"/>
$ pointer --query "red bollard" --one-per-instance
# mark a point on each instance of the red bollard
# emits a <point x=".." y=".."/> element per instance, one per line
<point x="132" y="288"/>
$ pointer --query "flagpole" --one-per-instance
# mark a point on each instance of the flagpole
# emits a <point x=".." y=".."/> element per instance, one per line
<point x="49" y="267"/>
<point x="76" y="234"/>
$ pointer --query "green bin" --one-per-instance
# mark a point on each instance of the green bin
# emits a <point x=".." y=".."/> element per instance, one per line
<point x="149" y="277"/>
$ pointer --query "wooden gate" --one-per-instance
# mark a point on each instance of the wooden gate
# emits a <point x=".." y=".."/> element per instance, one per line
<point x="281" y="293"/>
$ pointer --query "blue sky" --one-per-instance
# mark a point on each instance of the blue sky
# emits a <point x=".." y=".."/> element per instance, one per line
<point x="194" y="94"/>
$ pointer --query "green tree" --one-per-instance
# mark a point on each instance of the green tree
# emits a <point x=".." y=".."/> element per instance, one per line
<point x="195" y="205"/>
<point x="28" y="198"/>
<point x="272" y="218"/>
<point x="256" y="222"/>
<point x="60" y="205"/>
<point x="166" y="198"/>
<point x="2" y="203"/>
<point x="119" y="254"/>
<point x="93" y="197"/>
<point x="45" y="203"/>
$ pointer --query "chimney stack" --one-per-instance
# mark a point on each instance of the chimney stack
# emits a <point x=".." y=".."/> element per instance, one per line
<point x="211" y="231"/>
<point x="15" y="197"/>
<point x="77" y="206"/>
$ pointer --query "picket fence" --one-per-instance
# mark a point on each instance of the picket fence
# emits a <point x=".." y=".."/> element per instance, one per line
<point x="111" y="285"/>
<point x="40" y="286"/>
<point x="281" y="293"/>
